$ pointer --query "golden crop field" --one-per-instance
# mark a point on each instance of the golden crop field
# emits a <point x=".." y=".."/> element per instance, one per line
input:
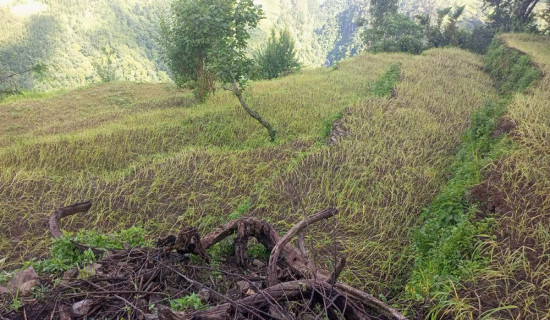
<point x="146" y="155"/>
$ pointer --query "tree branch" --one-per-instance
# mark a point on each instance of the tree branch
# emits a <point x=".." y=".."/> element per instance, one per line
<point x="63" y="212"/>
<point x="272" y="278"/>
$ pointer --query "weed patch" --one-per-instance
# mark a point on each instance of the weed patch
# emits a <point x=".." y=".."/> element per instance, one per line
<point x="65" y="255"/>
<point x="386" y="84"/>
<point x="445" y="243"/>
<point x="512" y="70"/>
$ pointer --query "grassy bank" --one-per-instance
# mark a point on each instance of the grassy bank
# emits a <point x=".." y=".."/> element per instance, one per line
<point x="499" y="269"/>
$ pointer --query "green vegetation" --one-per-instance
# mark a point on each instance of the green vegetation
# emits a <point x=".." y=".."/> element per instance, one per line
<point x="206" y="40"/>
<point x="390" y="31"/>
<point x="70" y="37"/>
<point x="385" y="84"/>
<point x="65" y="255"/>
<point x="512" y="70"/>
<point x="278" y="57"/>
<point x="512" y="15"/>
<point x="192" y="301"/>
<point x="445" y="244"/>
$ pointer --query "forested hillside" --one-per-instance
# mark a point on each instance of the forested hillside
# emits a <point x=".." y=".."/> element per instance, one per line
<point x="100" y="40"/>
<point x="83" y="42"/>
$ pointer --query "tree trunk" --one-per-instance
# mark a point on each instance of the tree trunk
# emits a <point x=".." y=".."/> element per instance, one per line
<point x="253" y="113"/>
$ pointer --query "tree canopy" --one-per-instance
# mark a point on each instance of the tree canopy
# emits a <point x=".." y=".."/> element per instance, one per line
<point x="205" y="40"/>
<point x="512" y="15"/>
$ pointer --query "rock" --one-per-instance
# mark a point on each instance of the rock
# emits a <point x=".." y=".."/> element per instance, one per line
<point x="257" y="263"/>
<point x="4" y="290"/>
<point x="82" y="308"/>
<point x="25" y="289"/>
<point x="250" y="292"/>
<point x="92" y="270"/>
<point x="243" y="285"/>
<point x="205" y="294"/>
<point x="23" y="282"/>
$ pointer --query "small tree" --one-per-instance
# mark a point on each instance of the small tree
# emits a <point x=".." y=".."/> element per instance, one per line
<point x="189" y="36"/>
<point x="105" y="66"/>
<point x="232" y="67"/>
<point x="278" y="57"/>
<point x="206" y="40"/>
<point x="396" y="33"/>
<point x="390" y="31"/>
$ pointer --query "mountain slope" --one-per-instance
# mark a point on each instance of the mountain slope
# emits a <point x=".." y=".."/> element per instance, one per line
<point x="88" y="42"/>
<point x="144" y="160"/>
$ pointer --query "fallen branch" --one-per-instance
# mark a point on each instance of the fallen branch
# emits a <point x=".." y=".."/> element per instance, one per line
<point x="301" y="266"/>
<point x="299" y="290"/>
<point x="272" y="278"/>
<point x="63" y="212"/>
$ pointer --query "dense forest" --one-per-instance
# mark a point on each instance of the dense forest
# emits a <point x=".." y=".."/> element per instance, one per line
<point x="98" y="41"/>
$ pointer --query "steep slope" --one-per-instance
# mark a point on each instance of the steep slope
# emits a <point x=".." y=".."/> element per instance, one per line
<point x="161" y="164"/>
<point x="515" y="283"/>
<point x="76" y="38"/>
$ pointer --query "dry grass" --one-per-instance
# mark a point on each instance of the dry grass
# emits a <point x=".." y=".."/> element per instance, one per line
<point x="160" y="165"/>
<point x="153" y="158"/>
<point x="516" y="282"/>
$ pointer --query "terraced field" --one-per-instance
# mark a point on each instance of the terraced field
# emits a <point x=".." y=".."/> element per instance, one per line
<point x="147" y="155"/>
<point x="515" y="284"/>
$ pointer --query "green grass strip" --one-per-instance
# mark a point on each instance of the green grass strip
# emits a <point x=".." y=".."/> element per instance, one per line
<point x="444" y="245"/>
<point x="383" y="87"/>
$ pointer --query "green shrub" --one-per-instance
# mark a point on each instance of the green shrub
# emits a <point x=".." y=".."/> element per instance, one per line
<point x="192" y="301"/>
<point x="512" y="70"/>
<point x="395" y="33"/>
<point x="278" y="57"/>
<point x="65" y="255"/>
<point x="385" y="84"/>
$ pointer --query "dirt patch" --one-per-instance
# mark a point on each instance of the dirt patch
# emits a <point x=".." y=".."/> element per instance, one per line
<point x="505" y="126"/>
<point x="489" y="197"/>
<point x="339" y="131"/>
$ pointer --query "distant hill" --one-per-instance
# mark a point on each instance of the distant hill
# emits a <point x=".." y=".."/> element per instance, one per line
<point x="70" y="37"/>
<point x="87" y="42"/>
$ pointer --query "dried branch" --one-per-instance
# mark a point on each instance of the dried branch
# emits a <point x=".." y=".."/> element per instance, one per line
<point x="63" y="212"/>
<point x="301" y="266"/>
<point x="272" y="278"/>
